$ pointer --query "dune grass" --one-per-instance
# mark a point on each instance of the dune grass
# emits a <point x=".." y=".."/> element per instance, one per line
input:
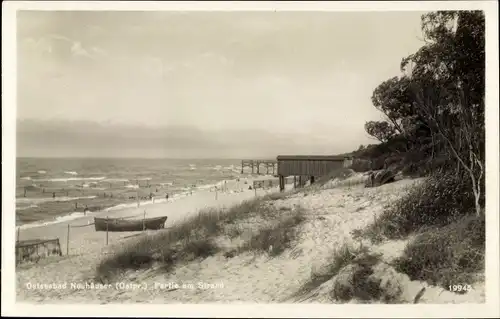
<point x="440" y="200"/>
<point x="275" y="239"/>
<point x="450" y="240"/>
<point x="195" y="237"/>
<point x="339" y="258"/>
<point x="450" y="255"/>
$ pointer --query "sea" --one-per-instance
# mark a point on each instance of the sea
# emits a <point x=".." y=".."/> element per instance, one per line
<point x="60" y="189"/>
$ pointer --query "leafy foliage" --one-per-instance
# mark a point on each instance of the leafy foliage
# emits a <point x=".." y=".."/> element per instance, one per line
<point x="438" y="101"/>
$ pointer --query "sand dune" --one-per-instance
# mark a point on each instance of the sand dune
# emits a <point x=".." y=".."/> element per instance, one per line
<point x="331" y="216"/>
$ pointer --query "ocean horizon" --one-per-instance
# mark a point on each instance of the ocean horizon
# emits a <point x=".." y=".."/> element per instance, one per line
<point x="57" y="189"/>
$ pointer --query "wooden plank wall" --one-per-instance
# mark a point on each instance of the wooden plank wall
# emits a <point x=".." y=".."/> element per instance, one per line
<point x="308" y="167"/>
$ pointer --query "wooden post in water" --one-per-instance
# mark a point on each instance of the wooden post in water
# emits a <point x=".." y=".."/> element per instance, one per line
<point x="138" y="203"/>
<point x="255" y="190"/>
<point x="215" y="192"/>
<point x="18" y="233"/>
<point x="67" y="241"/>
<point x="144" y="221"/>
<point x="24" y="191"/>
<point x="107" y="230"/>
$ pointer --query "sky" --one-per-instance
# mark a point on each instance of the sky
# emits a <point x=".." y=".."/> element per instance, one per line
<point x="203" y="84"/>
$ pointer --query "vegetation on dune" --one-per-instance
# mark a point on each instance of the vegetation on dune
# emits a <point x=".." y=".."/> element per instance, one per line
<point x="440" y="200"/>
<point x="435" y="127"/>
<point x="435" y="110"/>
<point x="195" y="238"/>
<point x="275" y="239"/>
<point x="339" y="258"/>
<point x="450" y="255"/>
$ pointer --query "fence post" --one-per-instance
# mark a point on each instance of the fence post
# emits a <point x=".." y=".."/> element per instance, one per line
<point x="18" y="233"/>
<point x="107" y="229"/>
<point x="255" y="190"/>
<point x="144" y="221"/>
<point x="67" y="242"/>
<point x="215" y="193"/>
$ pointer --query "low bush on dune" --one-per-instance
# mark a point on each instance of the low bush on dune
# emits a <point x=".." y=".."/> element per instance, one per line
<point x="440" y="200"/>
<point x="195" y="238"/>
<point x="339" y="258"/>
<point x="276" y="238"/>
<point x="450" y="255"/>
<point x="450" y="238"/>
<point x="184" y="241"/>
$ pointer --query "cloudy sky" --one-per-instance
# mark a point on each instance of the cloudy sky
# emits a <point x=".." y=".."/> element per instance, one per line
<point x="203" y="83"/>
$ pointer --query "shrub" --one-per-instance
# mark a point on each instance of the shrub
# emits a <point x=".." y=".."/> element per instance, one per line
<point x="340" y="257"/>
<point x="446" y="256"/>
<point x="184" y="241"/>
<point x="438" y="201"/>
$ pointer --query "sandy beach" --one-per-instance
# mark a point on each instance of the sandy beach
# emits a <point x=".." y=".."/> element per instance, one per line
<point x="331" y="216"/>
<point x="86" y="240"/>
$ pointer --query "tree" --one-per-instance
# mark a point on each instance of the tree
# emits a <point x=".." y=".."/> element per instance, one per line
<point x="447" y="87"/>
<point x="460" y="126"/>
<point x="439" y="99"/>
<point x="392" y="98"/>
<point x="382" y="131"/>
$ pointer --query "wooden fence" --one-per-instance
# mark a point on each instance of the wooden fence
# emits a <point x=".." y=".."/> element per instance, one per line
<point x="35" y="249"/>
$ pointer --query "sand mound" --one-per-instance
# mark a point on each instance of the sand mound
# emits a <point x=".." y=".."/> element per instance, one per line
<point x="331" y="215"/>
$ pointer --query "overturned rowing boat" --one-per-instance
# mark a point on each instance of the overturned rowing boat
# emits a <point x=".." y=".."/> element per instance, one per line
<point x="123" y="225"/>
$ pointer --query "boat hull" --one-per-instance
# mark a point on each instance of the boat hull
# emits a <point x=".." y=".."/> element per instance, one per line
<point x="123" y="225"/>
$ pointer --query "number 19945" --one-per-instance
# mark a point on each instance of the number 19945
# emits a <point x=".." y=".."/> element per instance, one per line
<point x="460" y="288"/>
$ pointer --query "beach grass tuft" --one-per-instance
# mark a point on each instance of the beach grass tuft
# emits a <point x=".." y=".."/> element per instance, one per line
<point x="449" y="243"/>
<point x="440" y="200"/>
<point x="276" y="238"/>
<point x="338" y="259"/>
<point x="450" y="255"/>
<point x="194" y="237"/>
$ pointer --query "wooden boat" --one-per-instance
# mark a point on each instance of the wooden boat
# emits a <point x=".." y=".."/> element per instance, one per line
<point x="124" y="225"/>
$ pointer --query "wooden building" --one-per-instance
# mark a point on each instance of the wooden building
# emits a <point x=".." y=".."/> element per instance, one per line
<point x="308" y="167"/>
